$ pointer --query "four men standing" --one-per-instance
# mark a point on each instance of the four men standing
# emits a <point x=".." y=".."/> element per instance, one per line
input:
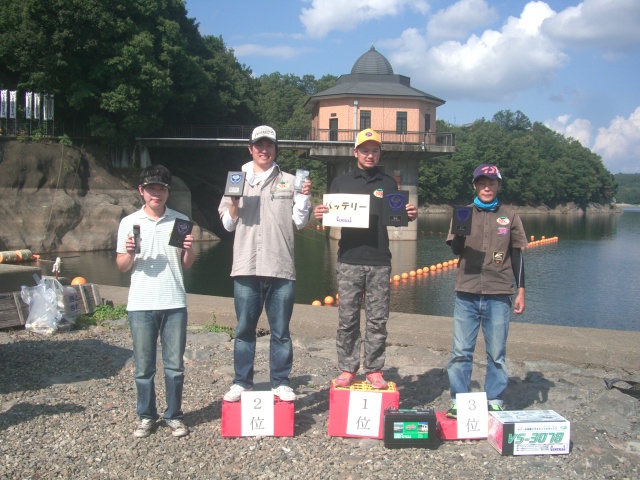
<point x="264" y="219"/>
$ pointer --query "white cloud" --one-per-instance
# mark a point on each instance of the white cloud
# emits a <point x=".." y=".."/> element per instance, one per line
<point x="610" y="25"/>
<point x="458" y="20"/>
<point x="491" y="67"/>
<point x="326" y="15"/>
<point x="278" y="51"/>
<point x="580" y="129"/>
<point x="619" y="144"/>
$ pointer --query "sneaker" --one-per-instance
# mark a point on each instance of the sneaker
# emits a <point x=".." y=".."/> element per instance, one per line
<point x="234" y="393"/>
<point x="452" y="412"/>
<point x="344" y="379"/>
<point x="376" y="380"/>
<point x="178" y="428"/>
<point x="494" y="407"/>
<point x="144" y="428"/>
<point x="284" y="393"/>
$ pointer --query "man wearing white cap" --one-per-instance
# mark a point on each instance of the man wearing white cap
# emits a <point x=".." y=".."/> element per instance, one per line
<point x="263" y="268"/>
<point x="364" y="265"/>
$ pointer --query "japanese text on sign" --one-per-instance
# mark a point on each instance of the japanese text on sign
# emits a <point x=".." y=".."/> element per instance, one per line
<point x="346" y="210"/>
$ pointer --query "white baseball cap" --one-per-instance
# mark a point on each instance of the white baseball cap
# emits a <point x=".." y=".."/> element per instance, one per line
<point x="263" y="131"/>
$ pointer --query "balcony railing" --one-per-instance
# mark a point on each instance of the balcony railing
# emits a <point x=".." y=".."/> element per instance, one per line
<point x="306" y="134"/>
<point x="54" y="129"/>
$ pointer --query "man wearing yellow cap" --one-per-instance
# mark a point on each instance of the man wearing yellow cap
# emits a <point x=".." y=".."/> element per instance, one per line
<point x="364" y="265"/>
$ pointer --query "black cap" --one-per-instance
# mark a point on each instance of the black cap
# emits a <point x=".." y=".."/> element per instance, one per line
<point x="158" y="174"/>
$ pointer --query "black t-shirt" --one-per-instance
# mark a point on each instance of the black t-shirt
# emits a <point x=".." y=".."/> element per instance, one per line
<point x="365" y="246"/>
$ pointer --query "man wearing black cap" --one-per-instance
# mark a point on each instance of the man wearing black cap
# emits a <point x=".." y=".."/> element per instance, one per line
<point x="157" y="303"/>
<point x="263" y="270"/>
<point x="490" y="259"/>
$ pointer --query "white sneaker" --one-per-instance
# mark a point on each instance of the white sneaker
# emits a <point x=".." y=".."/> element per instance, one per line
<point x="284" y="392"/>
<point x="234" y="393"/>
<point x="144" y="428"/>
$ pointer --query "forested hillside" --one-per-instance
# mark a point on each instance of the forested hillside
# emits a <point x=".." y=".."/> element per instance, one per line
<point x="122" y="69"/>
<point x="628" y="188"/>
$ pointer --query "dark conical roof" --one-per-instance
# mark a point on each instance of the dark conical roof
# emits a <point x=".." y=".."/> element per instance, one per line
<point x="372" y="62"/>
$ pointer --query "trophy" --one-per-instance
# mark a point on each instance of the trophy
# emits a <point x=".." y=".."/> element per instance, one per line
<point x="461" y="222"/>
<point x="394" y="212"/>
<point x="235" y="184"/>
<point x="181" y="228"/>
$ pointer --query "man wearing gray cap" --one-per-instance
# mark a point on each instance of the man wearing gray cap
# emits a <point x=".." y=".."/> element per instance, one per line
<point x="263" y="270"/>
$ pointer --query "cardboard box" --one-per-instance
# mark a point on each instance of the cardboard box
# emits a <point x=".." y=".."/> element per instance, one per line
<point x="358" y="410"/>
<point x="283" y="419"/>
<point x="529" y="432"/>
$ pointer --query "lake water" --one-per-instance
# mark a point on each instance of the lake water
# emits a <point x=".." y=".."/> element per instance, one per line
<point x="589" y="278"/>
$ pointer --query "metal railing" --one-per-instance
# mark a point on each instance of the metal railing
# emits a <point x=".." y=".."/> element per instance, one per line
<point x="12" y="127"/>
<point x="304" y="134"/>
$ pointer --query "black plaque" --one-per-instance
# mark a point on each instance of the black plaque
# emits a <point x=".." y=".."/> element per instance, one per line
<point x="461" y="222"/>
<point x="181" y="228"/>
<point x="394" y="211"/>
<point x="235" y="184"/>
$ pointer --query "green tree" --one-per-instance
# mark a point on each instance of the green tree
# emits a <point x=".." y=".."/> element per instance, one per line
<point x="124" y="68"/>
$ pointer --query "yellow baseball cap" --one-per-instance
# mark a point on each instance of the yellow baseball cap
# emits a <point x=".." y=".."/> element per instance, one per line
<point x="366" y="135"/>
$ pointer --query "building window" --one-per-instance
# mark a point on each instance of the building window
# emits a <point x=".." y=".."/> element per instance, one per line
<point x="427" y="122"/>
<point x="333" y="129"/>
<point x="365" y="119"/>
<point x="401" y="122"/>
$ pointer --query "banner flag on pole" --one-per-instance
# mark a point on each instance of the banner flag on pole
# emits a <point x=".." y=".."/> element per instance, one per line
<point x="45" y="106"/>
<point x="50" y="108"/>
<point x="36" y="106"/>
<point x="12" y="103"/>
<point x="3" y="103"/>
<point x="28" y="105"/>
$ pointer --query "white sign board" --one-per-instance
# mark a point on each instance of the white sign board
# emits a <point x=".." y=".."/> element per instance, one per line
<point x="473" y="415"/>
<point x="363" y="418"/>
<point x="346" y="210"/>
<point x="256" y="414"/>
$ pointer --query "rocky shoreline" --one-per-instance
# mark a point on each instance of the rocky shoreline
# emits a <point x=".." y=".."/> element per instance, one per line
<point x="68" y="409"/>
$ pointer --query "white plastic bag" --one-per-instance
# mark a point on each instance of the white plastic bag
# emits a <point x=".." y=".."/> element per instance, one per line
<point x="52" y="306"/>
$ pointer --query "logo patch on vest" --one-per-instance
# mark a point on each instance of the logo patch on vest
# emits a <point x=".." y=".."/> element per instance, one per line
<point x="283" y="185"/>
<point x="378" y="193"/>
<point x="503" y="231"/>
<point x="498" y="257"/>
<point x="503" y="220"/>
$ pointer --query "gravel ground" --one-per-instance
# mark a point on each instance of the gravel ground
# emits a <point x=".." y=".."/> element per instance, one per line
<point x="68" y="411"/>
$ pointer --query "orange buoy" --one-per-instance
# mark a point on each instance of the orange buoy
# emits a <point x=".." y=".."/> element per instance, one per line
<point x="419" y="271"/>
<point x="405" y="275"/>
<point x="412" y="273"/>
<point x="396" y="278"/>
<point x="79" y="281"/>
<point x="328" y="300"/>
<point x="438" y="266"/>
<point x="432" y="268"/>
<point x="316" y="303"/>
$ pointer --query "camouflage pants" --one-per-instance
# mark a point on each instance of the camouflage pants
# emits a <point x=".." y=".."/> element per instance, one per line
<point x="353" y="282"/>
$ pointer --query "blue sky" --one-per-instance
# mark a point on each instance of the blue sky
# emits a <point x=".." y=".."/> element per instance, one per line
<point x="574" y="66"/>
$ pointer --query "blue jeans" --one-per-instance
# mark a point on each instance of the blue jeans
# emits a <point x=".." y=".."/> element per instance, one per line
<point x="276" y="295"/>
<point x="171" y="326"/>
<point x="493" y="313"/>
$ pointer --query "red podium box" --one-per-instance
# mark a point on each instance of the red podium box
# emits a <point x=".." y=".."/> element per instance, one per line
<point x="447" y="427"/>
<point x="283" y="419"/>
<point x="339" y="399"/>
